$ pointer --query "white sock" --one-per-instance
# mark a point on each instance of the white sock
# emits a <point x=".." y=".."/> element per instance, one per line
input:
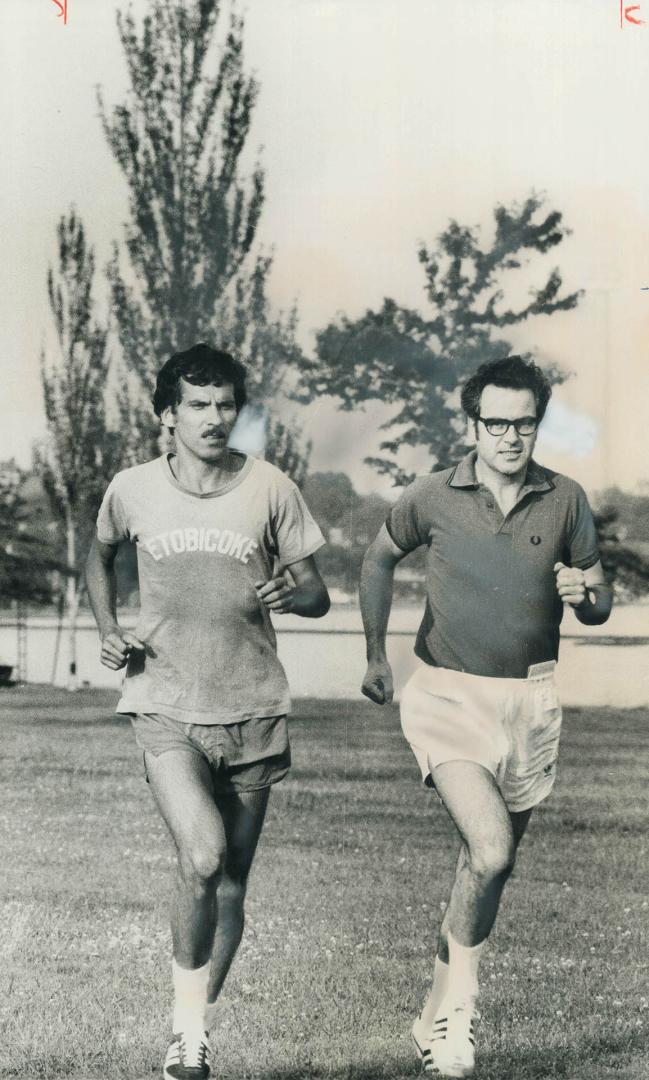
<point x="437" y="992"/>
<point x="190" y="997"/>
<point x="210" y="1014"/>
<point x="463" y="969"/>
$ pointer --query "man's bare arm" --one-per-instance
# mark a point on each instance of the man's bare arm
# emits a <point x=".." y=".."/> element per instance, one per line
<point x="377" y="579"/>
<point x="586" y="592"/>
<point x="116" y="644"/>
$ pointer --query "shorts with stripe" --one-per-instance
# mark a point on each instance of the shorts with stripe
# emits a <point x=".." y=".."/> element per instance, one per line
<point x="509" y="726"/>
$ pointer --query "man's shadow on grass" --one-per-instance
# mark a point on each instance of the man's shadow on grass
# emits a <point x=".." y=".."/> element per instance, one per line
<point x="608" y="1058"/>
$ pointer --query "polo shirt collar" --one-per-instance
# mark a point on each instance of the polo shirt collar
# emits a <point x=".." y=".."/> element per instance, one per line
<point x="463" y="475"/>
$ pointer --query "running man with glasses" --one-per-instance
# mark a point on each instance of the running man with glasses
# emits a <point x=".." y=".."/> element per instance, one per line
<point x="509" y="544"/>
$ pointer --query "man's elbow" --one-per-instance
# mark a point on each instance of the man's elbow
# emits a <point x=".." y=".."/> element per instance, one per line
<point x="597" y="611"/>
<point x="378" y="561"/>
<point x="322" y="602"/>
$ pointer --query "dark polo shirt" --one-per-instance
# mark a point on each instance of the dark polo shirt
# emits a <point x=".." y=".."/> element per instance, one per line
<point x="492" y="607"/>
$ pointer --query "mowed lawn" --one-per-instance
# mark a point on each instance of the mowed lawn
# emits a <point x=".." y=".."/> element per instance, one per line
<point x="344" y="902"/>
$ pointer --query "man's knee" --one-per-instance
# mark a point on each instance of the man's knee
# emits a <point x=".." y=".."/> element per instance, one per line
<point x="491" y="860"/>
<point x="231" y="892"/>
<point x="201" y="865"/>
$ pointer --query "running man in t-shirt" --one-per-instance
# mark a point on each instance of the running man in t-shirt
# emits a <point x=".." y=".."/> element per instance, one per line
<point x="509" y="544"/>
<point x="222" y="541"/>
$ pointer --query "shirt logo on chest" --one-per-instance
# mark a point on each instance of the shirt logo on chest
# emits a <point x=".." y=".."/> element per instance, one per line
<point x="221" y="541"/>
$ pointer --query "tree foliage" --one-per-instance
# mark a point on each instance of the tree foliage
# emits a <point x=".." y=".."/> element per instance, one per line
<point x="350" y="521"/>
<point x="331" y="499"/>
<point x="621" y="520"/>
<point x="191" y="272"/>
<point x="630" y="510"/>
<point x="415" y="361"/>
<point x="25" y="558"/>
<point x="83" y="448"/>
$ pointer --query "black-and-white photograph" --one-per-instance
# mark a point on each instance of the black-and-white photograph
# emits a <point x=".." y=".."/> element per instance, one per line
<point x="324" y="539"/>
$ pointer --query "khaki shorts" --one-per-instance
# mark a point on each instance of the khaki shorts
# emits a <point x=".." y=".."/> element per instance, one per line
<point x="510" y="726"/>
<point x="245" y="756"/>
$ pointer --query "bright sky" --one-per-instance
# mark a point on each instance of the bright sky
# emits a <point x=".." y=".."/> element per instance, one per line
<point x="379" y="121"/>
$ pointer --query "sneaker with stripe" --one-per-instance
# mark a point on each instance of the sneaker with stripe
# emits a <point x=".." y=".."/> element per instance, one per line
<point x="448" y="1048"/>
<point x="188" y="1057"/>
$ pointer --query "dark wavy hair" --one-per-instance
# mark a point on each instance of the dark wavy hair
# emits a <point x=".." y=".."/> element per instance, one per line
<point x="202" y="366"/>
<point x="513" y="373"/>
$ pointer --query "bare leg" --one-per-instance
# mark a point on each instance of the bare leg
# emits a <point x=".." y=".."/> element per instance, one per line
<point x="490" y="836"/>
<point x="215" y="837"/>
<point x="443" y="1032"/>
<point x="436" y="995"/>
<point x="243" y="817"/>
<point x="181" y="784"/>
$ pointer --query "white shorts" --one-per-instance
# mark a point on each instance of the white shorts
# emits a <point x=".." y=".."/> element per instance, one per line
<point x="510" y="726"/>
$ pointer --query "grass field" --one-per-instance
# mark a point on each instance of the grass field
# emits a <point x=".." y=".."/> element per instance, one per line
<point x="344" y="902"/>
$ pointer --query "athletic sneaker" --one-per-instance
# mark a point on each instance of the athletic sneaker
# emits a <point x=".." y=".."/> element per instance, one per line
<point x="188" y="1057"/>
<point x="447" y="1049"/>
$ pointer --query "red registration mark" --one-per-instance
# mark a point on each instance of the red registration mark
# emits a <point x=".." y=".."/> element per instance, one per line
<point x="62" y="13"/>
<point x="630" y="14"/>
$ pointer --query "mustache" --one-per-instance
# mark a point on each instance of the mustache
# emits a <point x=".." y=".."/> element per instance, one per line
<point x="214" y="431"/>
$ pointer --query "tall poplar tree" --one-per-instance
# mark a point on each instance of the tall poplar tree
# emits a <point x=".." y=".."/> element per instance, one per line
<point x="191" y="272"/>
<point x="83" y="449"/>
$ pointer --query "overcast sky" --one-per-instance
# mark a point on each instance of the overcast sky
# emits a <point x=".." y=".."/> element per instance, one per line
<point x="379" y="120"/>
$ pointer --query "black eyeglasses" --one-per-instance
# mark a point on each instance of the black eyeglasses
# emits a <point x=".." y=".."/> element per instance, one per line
<point x="495" y="425"/>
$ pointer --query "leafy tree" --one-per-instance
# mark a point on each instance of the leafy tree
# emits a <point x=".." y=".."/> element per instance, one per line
<point x="25" y="557"/>
<point x="369" y="515"/>
<point x="623" y="547"/>
<point x="631" y="511"/>
<point x="350" y="521"/>
<point x="82" y="450"/>
<point x="191" y="272"/>
<point x="331" y="498"/>
<point x="414" y="361"/>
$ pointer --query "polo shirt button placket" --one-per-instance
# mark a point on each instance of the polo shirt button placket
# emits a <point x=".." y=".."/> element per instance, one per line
<point x="489" y="504"/>
<point x="491" y="507"/>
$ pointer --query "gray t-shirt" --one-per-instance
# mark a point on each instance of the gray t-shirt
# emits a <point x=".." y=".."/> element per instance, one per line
<point x="492" y="606"/>
<point x="210" y="646"/>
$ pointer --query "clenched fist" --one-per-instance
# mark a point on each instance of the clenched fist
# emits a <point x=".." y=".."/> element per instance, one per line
<point x="571" y="584"/>
<point x="116" y="647"/>
<point x="377" y="684"/>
